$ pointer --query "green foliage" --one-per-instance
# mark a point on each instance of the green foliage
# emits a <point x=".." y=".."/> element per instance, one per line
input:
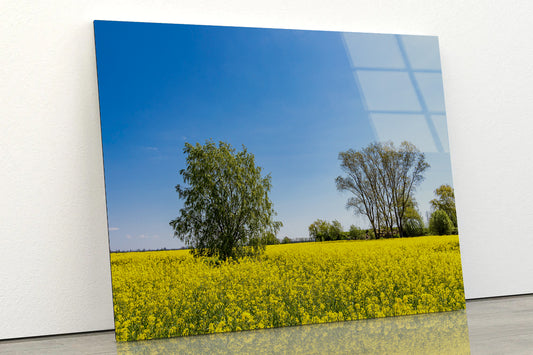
<point x="411" y="210"/>
<point x="445" y="201"/>
<point x="285" y="240"/>
<point x="440" y="223"/>
<point x="226" y="209"/>
<point x="356" y="233"/>
<point x="413" y="227"/>
<point x="370" y="233"/>
<point x="269" y="238"/>
<point x="335" y="231"/>
<point x="319" y="230"/>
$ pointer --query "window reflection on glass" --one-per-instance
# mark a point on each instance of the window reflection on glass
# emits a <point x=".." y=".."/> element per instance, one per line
<point x="430" y="85"/>
<point x="404" y="127"/>
<point x="422" y="52"/>
<point x="439" y="121"/>
<point x="400" y="81"/>
<point x="374" y="50"/>
<point x="388" y="91"/>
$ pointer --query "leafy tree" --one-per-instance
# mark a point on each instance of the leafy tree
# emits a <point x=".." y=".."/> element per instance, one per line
<point x="356" y="233"/>
<point x="382" y="179"/>
<point x="226" y="209"/>
<point x="414" y="224"/>
<point x="269" y="238"/>
<point x="285" y="240"/>
<point x="445" y="201"/>
<point x="413" y="227"/>
<point x="411" y="210"/>
<point x="319" y="230"/>
<point x="440" y="223"/>
<point x="335" y="231"/>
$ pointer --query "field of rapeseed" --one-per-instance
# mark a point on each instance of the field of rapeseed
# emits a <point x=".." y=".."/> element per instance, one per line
<point x="170" y="293"/>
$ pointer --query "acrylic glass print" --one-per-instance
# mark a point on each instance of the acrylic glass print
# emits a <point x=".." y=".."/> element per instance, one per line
<point x="260" y="178"/>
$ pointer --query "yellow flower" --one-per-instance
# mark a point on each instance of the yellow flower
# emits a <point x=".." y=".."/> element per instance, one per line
<point x="169" y="293"/>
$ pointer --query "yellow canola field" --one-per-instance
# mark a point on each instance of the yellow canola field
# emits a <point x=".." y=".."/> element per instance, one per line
<point x="170" y="293"/>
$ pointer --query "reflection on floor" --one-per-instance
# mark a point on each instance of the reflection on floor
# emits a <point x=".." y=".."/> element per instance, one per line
<point x="496" y="326"/>
<point x="423" y="334"/>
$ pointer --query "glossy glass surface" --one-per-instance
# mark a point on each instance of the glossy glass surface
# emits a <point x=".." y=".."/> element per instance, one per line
<point x="435" y="333"/>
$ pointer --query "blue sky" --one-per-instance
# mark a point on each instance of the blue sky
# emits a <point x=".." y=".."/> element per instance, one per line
<point x="295" y="99"/>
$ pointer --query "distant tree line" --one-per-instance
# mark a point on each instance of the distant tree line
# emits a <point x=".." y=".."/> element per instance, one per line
<point x="322" y="230"/>
<point x="442" y="221"/>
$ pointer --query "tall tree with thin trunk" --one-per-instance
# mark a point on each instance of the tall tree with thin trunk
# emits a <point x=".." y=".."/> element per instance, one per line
<point x="382" y="179"/>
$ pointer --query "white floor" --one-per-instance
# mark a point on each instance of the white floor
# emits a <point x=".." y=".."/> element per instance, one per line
<point x="489" y="326"/>
<point x="501" y="325"/>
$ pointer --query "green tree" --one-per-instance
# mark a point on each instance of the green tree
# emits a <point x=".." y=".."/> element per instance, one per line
<point x="413" y="227"/>
<point x="335" y="231"/>
<point x="356" y="233"/>
<point x="445" y="201"/>
<point x="413" y="223"/>
<point x="269" y="238"/>
<point x="440" y="223"/>
<point x="319" y="230"/>
<point x="226" y="209"/>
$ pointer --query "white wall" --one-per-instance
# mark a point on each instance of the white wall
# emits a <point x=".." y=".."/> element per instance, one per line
<point x="54" y="261"/>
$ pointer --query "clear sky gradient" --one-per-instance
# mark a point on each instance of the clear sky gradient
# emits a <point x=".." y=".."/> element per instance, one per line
<point x="295" y="99"/>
